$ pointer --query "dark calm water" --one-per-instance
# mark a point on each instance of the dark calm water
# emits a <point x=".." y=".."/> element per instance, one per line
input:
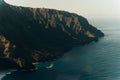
<point x="96" y="61"/>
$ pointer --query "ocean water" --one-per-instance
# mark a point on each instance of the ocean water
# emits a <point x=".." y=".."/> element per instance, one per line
<point x="95" y="61"/>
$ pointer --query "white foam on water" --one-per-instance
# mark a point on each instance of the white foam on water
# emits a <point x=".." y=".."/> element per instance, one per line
<point x="50" y="66"/>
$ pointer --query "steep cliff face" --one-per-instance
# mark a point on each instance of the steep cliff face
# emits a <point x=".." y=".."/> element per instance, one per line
<point x="37" y="34"/>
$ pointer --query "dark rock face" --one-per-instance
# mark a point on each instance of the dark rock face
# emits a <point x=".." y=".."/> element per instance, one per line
<point x="37" y="34"/>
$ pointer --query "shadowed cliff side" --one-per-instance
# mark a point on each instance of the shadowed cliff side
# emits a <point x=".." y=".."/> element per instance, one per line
<point x="30" y="35"/>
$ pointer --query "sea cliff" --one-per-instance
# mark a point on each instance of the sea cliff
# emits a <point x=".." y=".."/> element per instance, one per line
<point x="30" y="35"/>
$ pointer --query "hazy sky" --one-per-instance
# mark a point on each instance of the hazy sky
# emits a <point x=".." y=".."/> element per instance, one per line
<point x="88" y="8"/>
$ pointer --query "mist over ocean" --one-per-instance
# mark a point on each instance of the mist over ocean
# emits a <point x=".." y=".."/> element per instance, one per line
<point x="95" y="61"/>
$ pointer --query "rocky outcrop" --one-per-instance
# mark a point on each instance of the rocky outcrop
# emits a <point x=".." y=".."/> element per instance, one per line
<point x="30" y="35"/>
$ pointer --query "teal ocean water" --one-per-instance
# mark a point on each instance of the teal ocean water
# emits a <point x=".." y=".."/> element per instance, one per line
<point x="95" y="61"/>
